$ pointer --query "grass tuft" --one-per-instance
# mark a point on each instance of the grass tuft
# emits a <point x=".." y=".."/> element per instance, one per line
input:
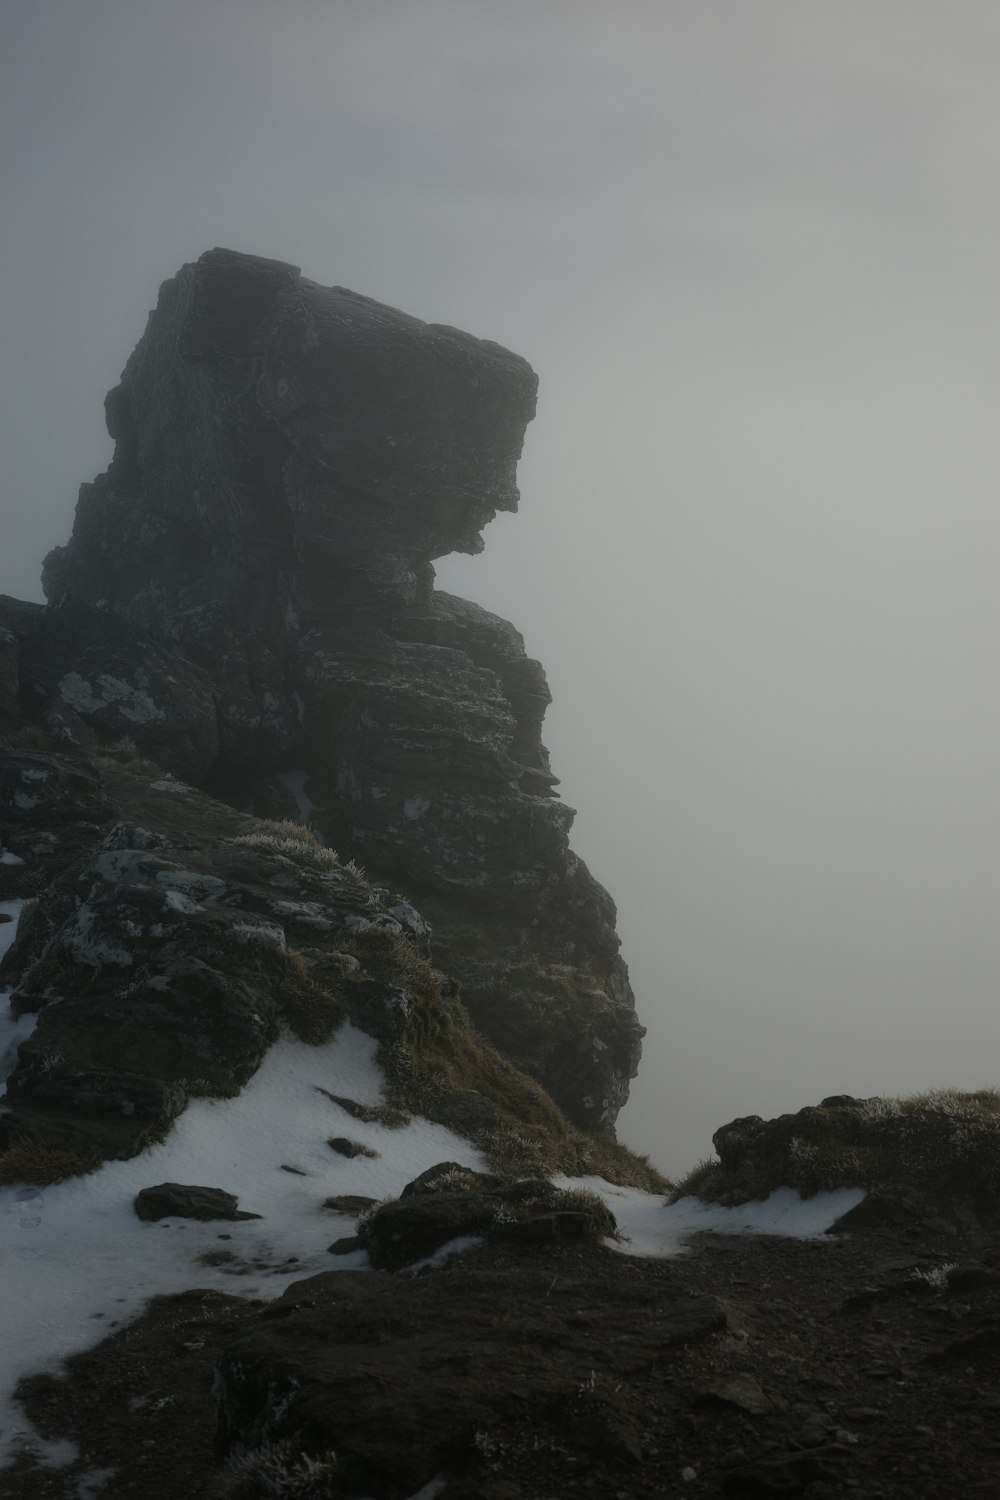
<point x="40" y="1165"/>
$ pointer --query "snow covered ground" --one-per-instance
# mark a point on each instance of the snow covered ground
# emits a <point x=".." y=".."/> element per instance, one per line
<point x="77" y="1262"/>
<point x="652" y="1228"/>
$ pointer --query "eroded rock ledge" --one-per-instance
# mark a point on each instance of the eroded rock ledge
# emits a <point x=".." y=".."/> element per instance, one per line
<point x="248" y="593"/>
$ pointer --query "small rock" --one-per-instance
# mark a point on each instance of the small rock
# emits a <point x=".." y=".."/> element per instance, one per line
<point x="345" y="1246"/>
<point x="178" y="1200"/>
<point x="742" y="1392"/>
<point x="348" y="1148"/>
<point x="349" y="1203"/>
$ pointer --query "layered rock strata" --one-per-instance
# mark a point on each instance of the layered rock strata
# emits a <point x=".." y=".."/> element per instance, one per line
<point x="248" y="595"/>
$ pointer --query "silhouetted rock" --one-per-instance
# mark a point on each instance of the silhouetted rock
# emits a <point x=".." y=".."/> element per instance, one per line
<point x="248" y="593"/>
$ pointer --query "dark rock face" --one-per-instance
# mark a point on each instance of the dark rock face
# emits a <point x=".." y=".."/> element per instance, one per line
<point x="248" y="592"/>
<point x="122" y="684"/>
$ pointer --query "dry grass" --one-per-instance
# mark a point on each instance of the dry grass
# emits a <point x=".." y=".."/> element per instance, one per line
<point x="279" y="828"/>
<point x="297" y="842"/>
<point x="313" y="1011"/>
<point x="440" y="1052"/>
<point x="390" y="958"/>
<point x="124" y="755"/>
<point x="39" y="1165"/>
<point x="277" y="1471"/>
<point x="29" y="737"/>
<point x="582" y="1200"/>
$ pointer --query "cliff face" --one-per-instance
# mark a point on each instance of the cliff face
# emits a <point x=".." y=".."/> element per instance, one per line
<point x="248" y="594"/>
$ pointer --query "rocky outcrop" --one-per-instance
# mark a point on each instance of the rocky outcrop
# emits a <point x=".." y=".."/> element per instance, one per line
<point x="248" y="598"/>
<point x="933" y="1156"/>
<point x="169" y="941"/>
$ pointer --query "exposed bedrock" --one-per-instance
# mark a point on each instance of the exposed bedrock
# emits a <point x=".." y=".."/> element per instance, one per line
<point x="289" y="460"/>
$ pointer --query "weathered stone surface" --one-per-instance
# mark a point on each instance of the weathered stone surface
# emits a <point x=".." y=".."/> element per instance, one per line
<point x="46" y="791"/>
<point x="53" y="808"/>
<point x="163" y="973"/>
<point x="368" y="1365"/>
<point x="289" y="460"/>
<point x="180" y="1200"/>
<point x="123" y="683"/>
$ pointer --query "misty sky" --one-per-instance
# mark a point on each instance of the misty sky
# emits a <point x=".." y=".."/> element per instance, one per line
<point x="751" y="248"/>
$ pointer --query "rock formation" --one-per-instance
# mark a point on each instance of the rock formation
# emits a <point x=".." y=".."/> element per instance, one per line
<point x="248" y="596"/>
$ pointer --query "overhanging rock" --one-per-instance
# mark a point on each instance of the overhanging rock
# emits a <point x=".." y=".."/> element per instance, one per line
<point x="289" y="461"/>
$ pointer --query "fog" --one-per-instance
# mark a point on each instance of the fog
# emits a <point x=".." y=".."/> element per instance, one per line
<point x="751" y="250"/>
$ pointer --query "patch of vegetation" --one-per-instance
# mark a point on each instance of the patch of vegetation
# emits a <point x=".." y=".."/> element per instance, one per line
<point x="438" y="1052"/>
<point x="311" y="1007"/>
<point x="30" y="737"/>
<point x="389" y="957"/>
<point x="582" y="1200"/>
<point x="297" y="842"/>
<point x="942" y="1146"/>
<point x="40" y="1166"/>
<point x="124" y="755"/>
<point x="278" y="1471"/>
<point x="345" y="1147"/>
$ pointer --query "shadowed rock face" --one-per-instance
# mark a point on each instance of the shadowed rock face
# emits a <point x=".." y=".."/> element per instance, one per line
<point x="289" y="460"/>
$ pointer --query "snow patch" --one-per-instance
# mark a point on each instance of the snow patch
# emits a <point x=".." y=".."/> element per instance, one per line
<point x="77" y="1262"/>
<point x="652" y="1227"/>
<point x="6" y="858"/>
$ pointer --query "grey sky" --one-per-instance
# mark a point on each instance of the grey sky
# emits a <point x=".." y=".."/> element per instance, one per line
<point x="751" y="249"/>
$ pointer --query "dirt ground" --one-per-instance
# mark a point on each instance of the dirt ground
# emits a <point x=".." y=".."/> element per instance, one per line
<point x="864" y="1365"/>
